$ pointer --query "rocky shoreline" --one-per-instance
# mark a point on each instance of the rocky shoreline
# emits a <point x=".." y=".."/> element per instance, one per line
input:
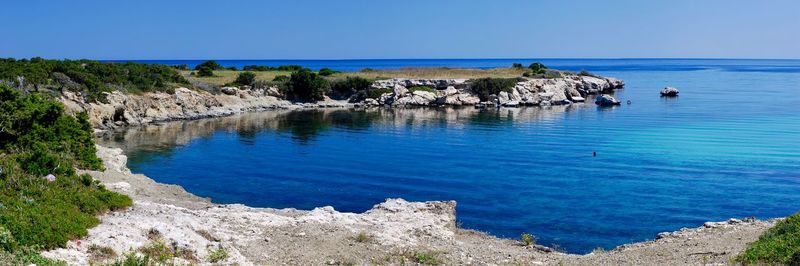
<point x="394" y="232"/>
<point x="120" y="109"/>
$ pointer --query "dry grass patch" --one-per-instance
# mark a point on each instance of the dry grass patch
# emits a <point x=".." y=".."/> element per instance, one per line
<point x="101" y="253"/>
<point x="222" y="77"/>
<point x="208" y="236"/>
<point x="434" y="73"/>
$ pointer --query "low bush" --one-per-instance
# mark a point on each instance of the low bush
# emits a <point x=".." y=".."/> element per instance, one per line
<point x="376" y="93"/>
<point x="281" y="78"/>
<point x="181" y="67"/>
<point x="217" y="255"/>
<point x="485" y="87"/>
<point x="205" y="72"/>
<point x="245" y="78"/>
<point x="327" y="72"/>
<point x="307" y="86"/>
<point x="517" y="66"/>
<point x="537" y="68"/>
<point x="527" y="239"/>
<point x="92" y="78"/>
<point x="211" y="64"/>
<point x="344" y="88"/>
<point x="44" y="202"/>
<point x="779" y="245"/>
<point x="269" y="68"/>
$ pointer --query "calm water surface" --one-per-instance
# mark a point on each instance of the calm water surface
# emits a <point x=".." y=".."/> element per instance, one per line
<point x="729" y="146"/>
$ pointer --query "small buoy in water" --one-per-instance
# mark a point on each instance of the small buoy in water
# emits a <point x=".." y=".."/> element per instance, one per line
<point x="629" y="101"/>
<point x="594" y="154"/>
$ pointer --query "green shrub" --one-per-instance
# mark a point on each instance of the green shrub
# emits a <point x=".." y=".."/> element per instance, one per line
<point x="527" y="239"/>
<point x="269" y="68"/>
<point x="376" y="93"/>
<point x="211" y="64"/>
<point x="181" y="67"/>
<point x="231" y="68"/>
<point x="485" y="87"/>
<point x="217" y="255"/>
<point x="327" y="72"/>
<point x="421" y="88"/>
<point x="290" y="68"/>
<point x="131" y="259"/>
<point x="245" y="78"/>
<point x="517" y="66"/>
<point x="281" y="78"/>
<point x="344" y="88"/>
<point x="27" y="256"/>
<point x="779" y="245"/>
<point x="92" y="78"/>
<point x="256" y="68"/>
<point x="40" y="139"/>
<point x="426" y="258"/>
<point x="305" y="85"/>
<point x="205" y="72"/>
<point x="537" y="68"/>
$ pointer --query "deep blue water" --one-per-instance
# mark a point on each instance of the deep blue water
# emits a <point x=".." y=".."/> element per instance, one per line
<point x="729" y="146"/>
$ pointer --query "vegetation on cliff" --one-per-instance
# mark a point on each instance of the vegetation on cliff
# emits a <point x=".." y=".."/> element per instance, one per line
<point x="90" y="77"/>
<point x="779" y="245"/>
<point x="43" y="201"/>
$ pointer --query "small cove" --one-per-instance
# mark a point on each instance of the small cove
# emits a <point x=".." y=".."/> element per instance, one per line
<point x="727" y="147"/>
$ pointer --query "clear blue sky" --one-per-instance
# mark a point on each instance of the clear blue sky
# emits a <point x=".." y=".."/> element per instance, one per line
<point x="301" y="29"/>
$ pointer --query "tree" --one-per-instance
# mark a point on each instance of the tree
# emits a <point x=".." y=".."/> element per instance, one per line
<point x="205" y="72"/>
<point x="306" y="85"/>
<point x="537" y="68"/>
<point x="327" y="71"/>
<point x="211" y="64"/>
<point x="245" y="78"/>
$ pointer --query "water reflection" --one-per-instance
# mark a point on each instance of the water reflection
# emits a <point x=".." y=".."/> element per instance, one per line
<point x="304" y="126"/>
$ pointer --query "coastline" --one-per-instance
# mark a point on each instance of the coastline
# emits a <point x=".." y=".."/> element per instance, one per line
<point x="121" y="109"/>
<point x="395" y="231"/>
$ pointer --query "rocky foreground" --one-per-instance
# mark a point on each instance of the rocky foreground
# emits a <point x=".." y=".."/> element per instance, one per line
<point x="394" y="232"/>
<point x="120" y="109"/>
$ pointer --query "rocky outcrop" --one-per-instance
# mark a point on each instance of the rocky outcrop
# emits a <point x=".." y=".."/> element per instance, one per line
<point x="669" y="92"/>
<point x="527" y="92"/>
<point x="606" y="100"/>
<point x="121" y="109"/>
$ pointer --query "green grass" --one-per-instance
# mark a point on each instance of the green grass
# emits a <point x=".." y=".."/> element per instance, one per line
<point x="217" y="255"/>
<point x="527" y="239"/>
<point x="421" y="88"/>
<point x="376" y="93"/>
<point x="38" y="139"/>
<point x="779" y="245"/>
<point x="27" y="256"/>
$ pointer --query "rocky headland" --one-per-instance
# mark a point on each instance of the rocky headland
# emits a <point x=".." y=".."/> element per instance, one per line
<point x="120" y="109"/>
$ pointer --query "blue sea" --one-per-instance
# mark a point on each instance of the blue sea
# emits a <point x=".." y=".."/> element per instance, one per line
<point x="728" y="146"/>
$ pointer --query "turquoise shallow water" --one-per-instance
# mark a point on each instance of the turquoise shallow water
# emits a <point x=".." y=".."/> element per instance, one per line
<point x="729" y="146"/>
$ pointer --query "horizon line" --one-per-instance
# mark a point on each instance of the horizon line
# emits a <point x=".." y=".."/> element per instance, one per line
<point x="421" y="58"/>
